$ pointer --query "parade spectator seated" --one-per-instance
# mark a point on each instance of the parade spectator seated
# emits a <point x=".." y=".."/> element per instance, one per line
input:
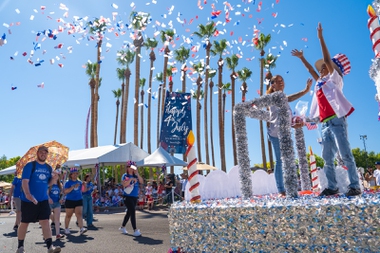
<point x="148" y="195"/>
<point x="107" y="202"/>
<point x="117" y="199"/>
<point x="141" y="201"/>
<point x="161" y="192"/>
<point x="97" y="202"/>
<point x="3" y="201"/>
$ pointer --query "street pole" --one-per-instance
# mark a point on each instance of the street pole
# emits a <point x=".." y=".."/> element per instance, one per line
<point x="364" y="138"/>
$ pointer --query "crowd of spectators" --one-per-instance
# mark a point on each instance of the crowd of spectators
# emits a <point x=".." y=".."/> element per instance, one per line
<point x="151" y="194"/>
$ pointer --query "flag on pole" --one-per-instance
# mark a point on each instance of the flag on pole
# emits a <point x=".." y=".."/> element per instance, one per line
<point x="311" y="125"/>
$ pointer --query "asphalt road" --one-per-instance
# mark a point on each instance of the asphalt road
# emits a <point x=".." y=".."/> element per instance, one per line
<point x="104" y="238"/>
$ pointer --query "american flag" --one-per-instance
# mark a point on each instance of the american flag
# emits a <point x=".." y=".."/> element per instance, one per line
<point x="311" y="125"/>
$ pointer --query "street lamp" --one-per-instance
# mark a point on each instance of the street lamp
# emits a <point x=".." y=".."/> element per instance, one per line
<point x="364" y="138"/>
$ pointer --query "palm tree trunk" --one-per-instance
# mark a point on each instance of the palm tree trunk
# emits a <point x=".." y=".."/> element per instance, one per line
<point x="158" y="115"/>
<point x="92" y="114"/>
<point x="205" y="94"/>
<point x="271" y="162"/>
<point x="97" y="93"/>
<point x="184" y="78"/>
<point x="122" y="119"/>
<point x="166" y="59"/>
<point x="261" y="122"/>
<point x="211" y="127"/>
<point x="199" y="83"/>
<point x="138" y="42"/>
<point x="220" y="114"/>
<point x="126" y="98"/>
<point x="244" y="91"/>
<point x="142" y="118"/>
<point x="232" y="117"/>
<point x="117" y="116"/>
<point x="152" y="58"/>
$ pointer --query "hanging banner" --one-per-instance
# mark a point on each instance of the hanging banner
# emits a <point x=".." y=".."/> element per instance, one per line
<point x="176" y="122"/>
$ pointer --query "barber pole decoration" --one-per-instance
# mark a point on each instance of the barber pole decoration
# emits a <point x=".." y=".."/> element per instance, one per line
<point x="374" y="30"/>
<point x="314" y="171"/>
<point x="192" y="169"/>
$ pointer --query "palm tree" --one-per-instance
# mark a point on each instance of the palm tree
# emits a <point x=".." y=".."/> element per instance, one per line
<point x="97" y="27"/>
<point x="212" y="74"/>
<point x="125" y="58"/>
<point x="226" y="88"/>
<point x="218" y="49"/>
<point x="169" y="74"/>
<point x="232" y="63"/>
<point x="243" y="76"/>
<point x="260" y="43"/>
<point x="206" y="32"/>
<point x="117" y="94"/>
<point x="121" y="76"/>
<point x="150" y="44"/>
<point x="270" y="62"/>
<point x="160" y="78"/>
<point x="181" y="55"/>
<point x="166" y="38"/>
<point x="139" y="21"/>
<point x="142" y="84"/>
<point x="199" y="68"/>
<point x="91" y="73"/>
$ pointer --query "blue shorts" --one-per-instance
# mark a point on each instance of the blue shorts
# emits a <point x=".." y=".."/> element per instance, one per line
<point x="55" y="205"/>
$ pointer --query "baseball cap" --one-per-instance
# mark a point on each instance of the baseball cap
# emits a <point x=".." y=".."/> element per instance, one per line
<point x="377" y="163"/>
<point x="73" y="170"/>
<point x="44" y="148"/>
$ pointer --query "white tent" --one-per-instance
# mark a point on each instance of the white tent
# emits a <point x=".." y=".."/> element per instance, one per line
<point x="105" y="155"/>
<point x="9" y="170"/>
<point x="202" y="166"/>
<point x="160" y="157"/>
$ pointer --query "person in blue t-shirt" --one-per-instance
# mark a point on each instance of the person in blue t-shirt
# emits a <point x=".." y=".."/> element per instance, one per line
<point x="87" y="190"/>
<point x="131" y="181"/>
<point x="15" y="191"/>
<point x="55" y="191"/>
<point x="74" y="201"/>
<point x="36" y="177"/>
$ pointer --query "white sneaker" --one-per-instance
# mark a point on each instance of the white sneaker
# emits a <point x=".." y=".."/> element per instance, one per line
<point x="53" y="249"/>
<point x="137" y="232"/>
<point x="83" y="230"/>
<point x="123" y="230"/>
<point x="67" y="231"/>
<point x="20" y="250"/>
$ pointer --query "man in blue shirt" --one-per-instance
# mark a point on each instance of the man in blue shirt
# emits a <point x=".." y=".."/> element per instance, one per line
<point x="36" y="177"/>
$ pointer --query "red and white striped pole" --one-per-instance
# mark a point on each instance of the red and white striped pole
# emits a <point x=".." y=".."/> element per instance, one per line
<point x="314" y="171"/>
<point x="192" y="169"/>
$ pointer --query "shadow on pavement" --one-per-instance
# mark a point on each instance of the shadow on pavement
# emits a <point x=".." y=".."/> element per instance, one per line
<point x="147" y="240"/>
<point x="11" y="234"/>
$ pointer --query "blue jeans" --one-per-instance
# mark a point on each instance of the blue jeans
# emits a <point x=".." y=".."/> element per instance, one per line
<point x="278" y="167"/>
<point x="88" y="211"/>
<point x="334" y="138"/>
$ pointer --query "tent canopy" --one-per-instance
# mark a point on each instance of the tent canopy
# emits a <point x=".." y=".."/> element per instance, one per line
<point x="160" y="157"/>
<point x="105" y="155"/>
<point x="202" y="166"/>
<point x="9" y="170"/>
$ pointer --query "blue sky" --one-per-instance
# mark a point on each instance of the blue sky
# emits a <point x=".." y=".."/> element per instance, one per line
<point x="33" y="115"/>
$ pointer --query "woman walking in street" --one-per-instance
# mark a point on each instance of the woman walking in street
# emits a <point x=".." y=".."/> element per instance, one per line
<point x="74" y="201"/>
<point x="131" y="181"/>
<point x="87" y="189"/>
<point x="54" y="192"/>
